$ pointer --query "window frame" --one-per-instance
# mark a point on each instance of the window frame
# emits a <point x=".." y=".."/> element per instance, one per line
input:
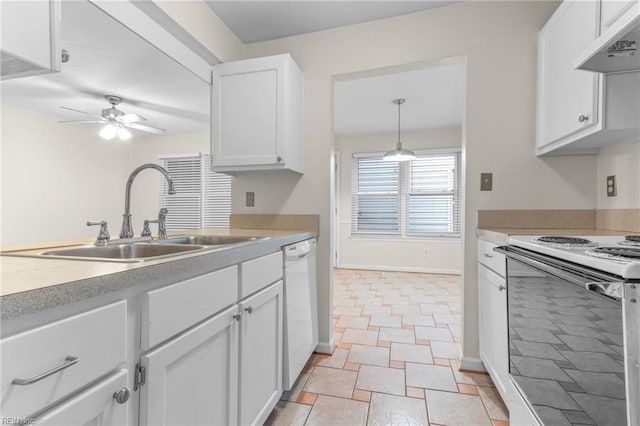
<point x="404" y="193"/>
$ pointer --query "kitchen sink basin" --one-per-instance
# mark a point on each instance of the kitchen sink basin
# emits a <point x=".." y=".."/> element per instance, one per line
<point x="123" y="252"/>
<point x="209" y="240"/>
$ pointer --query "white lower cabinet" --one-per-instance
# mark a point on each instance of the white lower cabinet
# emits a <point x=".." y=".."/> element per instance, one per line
<point x="97" y="405"/>
<point x="192" y="379"/>
<point x="261" y="354"/>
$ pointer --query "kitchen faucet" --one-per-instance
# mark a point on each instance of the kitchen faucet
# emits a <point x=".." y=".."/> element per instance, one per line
<point x="127" y="229"/>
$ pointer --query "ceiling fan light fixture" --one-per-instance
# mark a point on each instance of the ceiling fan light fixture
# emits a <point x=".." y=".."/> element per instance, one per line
<point x="108" y="132"/>
<point x="399" y="154"/>
<point x="123" y="133"/>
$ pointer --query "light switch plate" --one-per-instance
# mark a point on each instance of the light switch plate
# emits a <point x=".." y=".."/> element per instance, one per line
<point x="486" y="181"/>
<point x="612" y="189"/>
<point x="250" y="199"/>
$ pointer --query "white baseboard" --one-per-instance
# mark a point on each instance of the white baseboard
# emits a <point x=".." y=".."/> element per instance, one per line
<point x="402" y="269"/>
<point x="472" y="364"/>
<point x="326" y="348"/>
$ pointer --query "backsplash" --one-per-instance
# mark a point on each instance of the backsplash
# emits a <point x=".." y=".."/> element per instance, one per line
<point x="290" y="222"/>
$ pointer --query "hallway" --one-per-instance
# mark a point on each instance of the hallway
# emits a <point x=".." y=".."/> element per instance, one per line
<point x="398" y="337"/>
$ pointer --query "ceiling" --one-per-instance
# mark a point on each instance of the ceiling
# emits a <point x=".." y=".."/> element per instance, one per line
<point x="107" y="58"/>
<point x="253" y="21"/>
<point x="435" y="98"/>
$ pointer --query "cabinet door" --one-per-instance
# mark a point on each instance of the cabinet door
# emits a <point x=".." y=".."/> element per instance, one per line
<point x="260" y="354"/>
<point x="94" y="406"/>
<point x="494" y="349"/>
<point x="611" y="10"/>
<point x="247" y="105"/>
<point x="568" y="99"/>
<point x="192" y="380"/>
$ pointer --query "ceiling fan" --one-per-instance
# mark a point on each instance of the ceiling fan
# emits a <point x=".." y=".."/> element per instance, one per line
<point x="116" y="122"/>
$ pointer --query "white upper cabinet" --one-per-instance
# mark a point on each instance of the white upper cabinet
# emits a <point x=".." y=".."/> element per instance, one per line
<point x="612" y="10"/>
<point x="256" y="108"/>
<point x="29" y="37"/>
<point x="580" y="111"/>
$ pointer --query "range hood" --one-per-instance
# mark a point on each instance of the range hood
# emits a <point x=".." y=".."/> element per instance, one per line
<point x="616" y="50"/>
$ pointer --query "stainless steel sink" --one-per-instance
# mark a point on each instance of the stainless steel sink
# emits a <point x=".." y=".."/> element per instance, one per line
<point x="137" y="252"/>
<point x="209" y="240"/>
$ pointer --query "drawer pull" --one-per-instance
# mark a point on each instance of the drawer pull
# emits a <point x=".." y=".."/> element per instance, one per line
<point x="501" y="287"/>
<point x="70" y="360"/>
<point x="249" y="309"/>
<point x="121" y="395"/>
<point x="490" y="256"/>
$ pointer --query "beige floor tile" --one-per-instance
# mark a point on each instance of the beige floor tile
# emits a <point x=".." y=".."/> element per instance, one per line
<point x="377" y="310"/>
<point x="362" y="337"/>
<point x="473" y="378"/>
<point x="297" y="387"/>
<point x="381" y="379"/>
<point x="347" y="321"/>
<point x="493" y="403"/>
<point x="337" y="411"/>
<point x="433" y="333"/>
<point x="386" y="321"/>
<point x="456" y="409"/>
<point x="430" y="377"/>
<point x="456" y="330"/>
<point x="411" y="353"/>
<point x="405" y="309"/>
<point x="288" y="414"/>
<point x="396" y="335"/>
<point x="396" y="410"/>
<point x="336" y="360"/>
<point x="369" y="355"/>
<point x="430" y="308"/>
<point x="441" y="318"/>
<point x="422" y="320"/>
<point x="445" y="349"/>
<point x="345" y="310"/>
<point x="331" y="381"/>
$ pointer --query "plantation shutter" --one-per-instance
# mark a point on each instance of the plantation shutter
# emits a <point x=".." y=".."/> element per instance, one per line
<point x="202" y="198"/>
<point x="375" y="196"/>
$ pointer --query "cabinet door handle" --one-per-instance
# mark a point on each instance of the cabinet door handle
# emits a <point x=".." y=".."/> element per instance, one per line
<point x="249" y="309"/>
<point x="70" y="360"/>
<point x="121" y="395"/>
<point x="501" y="287"/>
<point x="237" y="316"/>
<point x="490" y="256"/>
<point x="278" y="159"/>
<point x="583" y="118"/>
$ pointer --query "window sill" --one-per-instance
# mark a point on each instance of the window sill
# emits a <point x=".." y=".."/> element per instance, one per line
<point x="407" y="239"/>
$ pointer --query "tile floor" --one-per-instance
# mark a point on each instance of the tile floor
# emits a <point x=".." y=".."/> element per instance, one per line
<point x="398" y="336"/>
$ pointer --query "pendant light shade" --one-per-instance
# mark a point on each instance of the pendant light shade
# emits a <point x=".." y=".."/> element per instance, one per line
<point x="399" y="154"/>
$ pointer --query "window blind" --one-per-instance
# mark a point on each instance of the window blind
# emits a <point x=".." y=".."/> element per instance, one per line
<point x="407" y="199"/>
<point x="202" y="198"/>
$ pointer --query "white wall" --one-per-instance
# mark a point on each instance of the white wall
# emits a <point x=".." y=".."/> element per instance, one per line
<point x="56" y="176"/>
<point x="444" y="255"/>
<point x="624" y="162"/>
<point x="499" y="41"/>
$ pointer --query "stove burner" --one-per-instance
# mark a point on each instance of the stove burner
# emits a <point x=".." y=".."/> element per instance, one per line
<point x="623" y="253"/>
<point x="632" y="238"/>
<point x="564" y="242"/>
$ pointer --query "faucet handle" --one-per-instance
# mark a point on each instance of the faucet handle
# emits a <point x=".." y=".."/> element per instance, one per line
<point x="103" y="234"/>
<point x="162" y="225"/>
<point x="146" y="231"/>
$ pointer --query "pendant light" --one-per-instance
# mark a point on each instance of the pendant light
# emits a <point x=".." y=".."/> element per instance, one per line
<point x="399" y="154"/>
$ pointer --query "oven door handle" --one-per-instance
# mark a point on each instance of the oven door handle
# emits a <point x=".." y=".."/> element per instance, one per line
<point x="612" y="290"/>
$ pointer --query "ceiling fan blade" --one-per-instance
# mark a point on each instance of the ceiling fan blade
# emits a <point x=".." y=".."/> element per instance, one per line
<point x="130" y="118"/>
<point x="144" y="128"/>
<point x="81" y="121"/>
<point x="81" y="112"/>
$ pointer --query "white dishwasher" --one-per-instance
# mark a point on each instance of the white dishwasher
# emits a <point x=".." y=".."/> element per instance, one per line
<point x="300" y="308"/>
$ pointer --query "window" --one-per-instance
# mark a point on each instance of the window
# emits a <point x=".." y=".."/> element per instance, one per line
<point x="417" y="198"/>
<point x="202" y="198"/>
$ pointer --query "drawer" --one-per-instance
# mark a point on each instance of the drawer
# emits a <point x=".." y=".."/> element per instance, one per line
<point x="169" y="310"/>
<point x="258" y="273"/>
<point x="495" y="261"/>
<point x="97" y="338"/>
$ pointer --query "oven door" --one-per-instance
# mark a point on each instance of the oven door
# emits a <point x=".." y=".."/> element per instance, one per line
<point x="566" y="340"/>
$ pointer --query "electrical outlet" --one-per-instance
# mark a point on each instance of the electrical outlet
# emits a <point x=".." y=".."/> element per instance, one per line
<point x="426" y="252"/>
<point x="250" y="199"/>
<point x="486" y="181"/>
<point x="612" y="189"/>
